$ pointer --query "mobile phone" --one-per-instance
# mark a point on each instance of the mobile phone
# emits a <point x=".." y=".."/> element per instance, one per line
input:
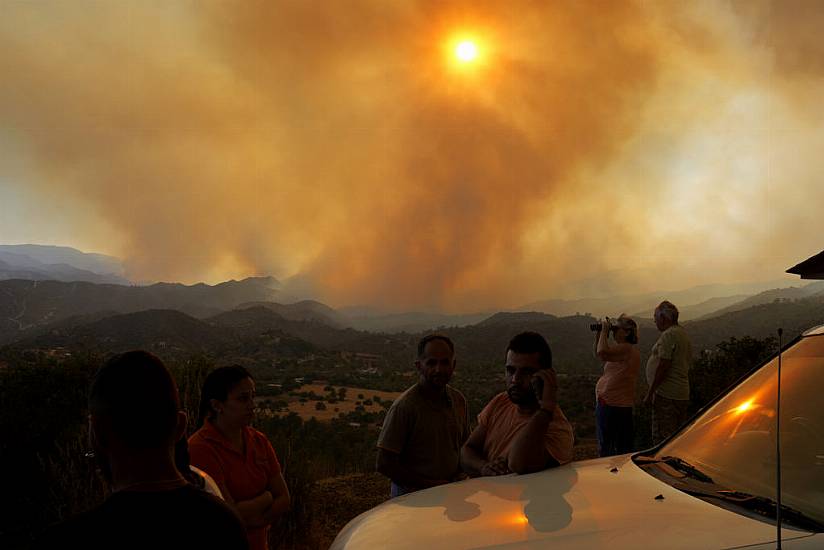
<point x="537" y="384"/>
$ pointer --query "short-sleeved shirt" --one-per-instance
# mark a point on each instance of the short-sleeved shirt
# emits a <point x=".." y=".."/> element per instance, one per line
<point x="616" y="387"/>
<point x="243" y="477"/>
<point x="426" y="434"/>
<point x="674" y="345"/>
<point x="503" y="421"/>
<point x="186" y="517"/>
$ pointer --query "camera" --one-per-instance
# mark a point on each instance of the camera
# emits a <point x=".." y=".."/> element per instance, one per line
<point x="598" y="327"/>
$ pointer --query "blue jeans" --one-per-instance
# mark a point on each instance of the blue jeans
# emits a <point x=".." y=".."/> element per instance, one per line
<point x="396" y="490"/>
<point x="613" y="426"/>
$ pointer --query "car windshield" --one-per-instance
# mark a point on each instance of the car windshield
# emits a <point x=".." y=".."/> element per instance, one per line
<point x="733" y="442"/>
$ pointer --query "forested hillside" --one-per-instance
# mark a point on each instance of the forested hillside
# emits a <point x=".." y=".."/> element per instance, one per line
<point x="45" y="374"/>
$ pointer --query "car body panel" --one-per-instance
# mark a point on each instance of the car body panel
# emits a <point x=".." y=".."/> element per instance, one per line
<point x="601" y="503"/>
<point x="815" y="331"/>
<point x="209" y="484"/>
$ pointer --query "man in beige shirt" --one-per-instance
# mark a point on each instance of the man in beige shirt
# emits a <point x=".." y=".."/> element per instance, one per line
<point x="668" y="374"/>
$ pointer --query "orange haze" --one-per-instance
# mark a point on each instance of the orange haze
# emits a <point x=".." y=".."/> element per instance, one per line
<point x="595" y="146"/>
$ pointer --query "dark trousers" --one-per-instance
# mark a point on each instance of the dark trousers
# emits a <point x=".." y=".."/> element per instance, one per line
<point x="613" y="425"/>
<point x="668" y="415"/>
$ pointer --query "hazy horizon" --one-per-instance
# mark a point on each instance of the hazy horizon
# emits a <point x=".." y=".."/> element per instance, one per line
<point x="605" y="302"/>
<point x="592" y="149"/>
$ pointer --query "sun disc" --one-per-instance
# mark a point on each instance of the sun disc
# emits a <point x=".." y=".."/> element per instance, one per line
<point x="466" y="51"/>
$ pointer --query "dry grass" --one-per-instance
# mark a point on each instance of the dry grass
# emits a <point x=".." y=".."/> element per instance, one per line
<point x="307" y="409"/>
<point x="337" y="500"/>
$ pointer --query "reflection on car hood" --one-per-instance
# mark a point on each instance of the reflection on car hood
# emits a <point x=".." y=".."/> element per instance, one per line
<point x="602" y="503"/>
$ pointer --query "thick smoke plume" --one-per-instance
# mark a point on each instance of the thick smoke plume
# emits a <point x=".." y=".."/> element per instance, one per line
<point x="595" y="146"/>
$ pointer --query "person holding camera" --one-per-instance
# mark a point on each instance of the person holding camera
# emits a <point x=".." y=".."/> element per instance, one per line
<point x="615" y="390"/>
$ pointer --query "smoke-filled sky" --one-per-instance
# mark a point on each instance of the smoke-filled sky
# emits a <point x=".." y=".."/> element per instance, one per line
<point x="592" y="147"/>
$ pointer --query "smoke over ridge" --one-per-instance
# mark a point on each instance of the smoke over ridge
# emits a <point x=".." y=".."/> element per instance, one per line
<point x="595" y="146"/>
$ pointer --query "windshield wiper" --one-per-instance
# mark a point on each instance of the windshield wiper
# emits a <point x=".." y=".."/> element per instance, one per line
<point x="762" y="505"/>
<point x="678" y="464"/>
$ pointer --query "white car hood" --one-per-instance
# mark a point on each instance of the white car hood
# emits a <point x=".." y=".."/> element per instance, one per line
<point x="602" y="503"/>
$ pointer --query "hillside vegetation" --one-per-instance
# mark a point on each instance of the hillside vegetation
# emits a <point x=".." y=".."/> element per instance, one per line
<point x="44" y="376"/>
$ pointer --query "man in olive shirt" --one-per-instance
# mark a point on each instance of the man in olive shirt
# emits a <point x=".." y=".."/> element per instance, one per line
<point x="420" y="442"/>
<point x="667" y="374"/>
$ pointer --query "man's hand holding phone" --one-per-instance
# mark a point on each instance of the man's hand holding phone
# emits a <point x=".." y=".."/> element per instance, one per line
<point x="545" y="385"/>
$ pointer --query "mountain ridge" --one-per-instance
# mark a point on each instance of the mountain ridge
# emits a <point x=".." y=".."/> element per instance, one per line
<point x="50" y="254"/>
<point x="26" y="304"/>
<point x="641" y="302"/>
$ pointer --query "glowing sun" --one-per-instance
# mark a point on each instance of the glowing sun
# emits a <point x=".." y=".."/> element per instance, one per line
<point x="466" y="51"/>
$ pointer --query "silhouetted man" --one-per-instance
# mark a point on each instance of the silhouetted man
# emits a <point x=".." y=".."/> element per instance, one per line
<point x="522" y="430"/>
<point x="420" y="442"/>
<point x="134" y="422"/>
<point x="668" y="374"/>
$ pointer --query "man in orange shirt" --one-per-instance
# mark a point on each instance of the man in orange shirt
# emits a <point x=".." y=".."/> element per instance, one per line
<point x="522" y="430"/>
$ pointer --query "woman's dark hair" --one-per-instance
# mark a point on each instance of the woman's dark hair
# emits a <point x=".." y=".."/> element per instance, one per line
<point x="217" y="385"/>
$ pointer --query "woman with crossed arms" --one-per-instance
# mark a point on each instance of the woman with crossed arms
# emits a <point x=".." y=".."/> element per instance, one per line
<point x="239" y="458"/>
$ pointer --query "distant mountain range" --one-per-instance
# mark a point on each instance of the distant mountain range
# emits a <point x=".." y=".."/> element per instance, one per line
<point x="27" y="305"/>
<point x="88" y="261"/>
<point x="692" y="302"/>
<point x="41" y="285"/>
<point x="30" y="304"/>
<point x="265" y="331"/>
<point x="696" y="311"/>
<point x="58" y="263"/>
<point x="305" y="310"/>
<point x="363" y="318"/>
<point x="815" y="289"/>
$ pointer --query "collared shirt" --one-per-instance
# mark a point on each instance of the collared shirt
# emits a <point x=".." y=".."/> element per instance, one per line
<point x="244" y="477"/>
<point x="674" y="345"/>
<point x="427" y="435"/>
<point x="503" y="421"/>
